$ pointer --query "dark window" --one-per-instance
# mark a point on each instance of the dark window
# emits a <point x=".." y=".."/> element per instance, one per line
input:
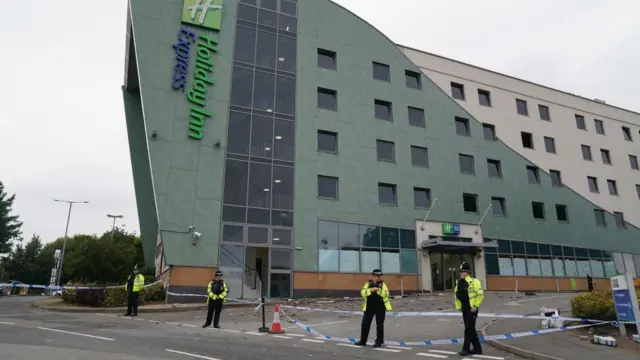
<point x="245" y="45"/>
<point x="387" y="194"/>
<point x="626" y="133"/>
<point x="613" y="187"/>
<point x="233" y="233"/>
<point x="521" y="107"/>
<point x="556" y="178"/>
<point x="263" y="94"/>
<point x="327" y="141"/>
<point x="412" y="79"/>
<point x="267" y="19"/>
<point x="580" y="124"/>
<point x="484" y="97"/>
<point x="236" y="174"/>
<point x="620" y="223"/>
<point x="283" y="140"/>
<point x="489" y="132"/>
<point x="269" y="4"/>
<point x="386" y="150"/>
<point x="601" y="220"/>
<point x="499" y="206"/>
<point x="327" y="59"/>
<point x="599" y="126"/>
<point x="606" y="156"/>
<point x="633" y="161"/>
<point x="266" y="55"/>
<point x="470" y="203"/>
<point x="457" y="91"/>
<point x="544" y="112"/>
<point x="383" y="110"/>
<point x="260" y="185"/>
<point x="285" y="95"/>
<point x="262" y="137"/>
<point x="467" y="164"/>
<point x="238" y="133"/>
<point x="282" y="194"/>
<point x="561" y="213"/>
<point x="381" y="71"/>
<point x="328" y="187"/>
<point x="495" y="168"/>
<point x="234" y="214"/>
<point x="327" y="99"/>
<point x="419" y="156"/>
<point x="593" y="184"/>
<point x="462" y="126"/>
<point x="421" y="197"/>
<point x="538" y="210"/>
<point x="286" y="54"/>
<point x="527" y="140"/>
<point x="288" y="7"/>
<point x="586" y="152"/>
<point x="247" y="13"/>
<point x="533" y="174"/>
<point x="416" y="117"/>
<point x="242" y="87"/>
<point x="550" y="144"/>
<point x="638" y="190"/>
<point x="287" y="24"/>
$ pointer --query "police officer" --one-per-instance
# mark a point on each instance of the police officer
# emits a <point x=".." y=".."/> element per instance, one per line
<point x="217" y="291"/>
<point x="469" y="296"/>
<point x="375" y="295"/>
<point x="134" y="284"/>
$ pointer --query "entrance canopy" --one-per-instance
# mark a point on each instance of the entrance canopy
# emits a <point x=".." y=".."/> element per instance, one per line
<point x="451" y="245"/>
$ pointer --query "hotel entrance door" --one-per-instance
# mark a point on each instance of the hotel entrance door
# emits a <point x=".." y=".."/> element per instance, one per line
<point x="445" y="269"/>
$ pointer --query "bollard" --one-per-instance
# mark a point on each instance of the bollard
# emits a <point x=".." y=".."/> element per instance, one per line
<point x="516" y="286"/>
<point x="401" y="288"/>
<point x="557" y="285"/>
<point x="264" y="327"/>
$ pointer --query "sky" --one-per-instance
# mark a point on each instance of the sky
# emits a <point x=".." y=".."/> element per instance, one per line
<point x="62" y="125"/>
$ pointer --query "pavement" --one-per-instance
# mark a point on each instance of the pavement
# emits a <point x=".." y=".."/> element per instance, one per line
<point x="34" y="334"/>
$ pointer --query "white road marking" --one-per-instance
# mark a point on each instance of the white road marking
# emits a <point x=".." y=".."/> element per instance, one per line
<point x="282" y="337"/>
<point x="321" y="337"/>
<point x="254" y="333"/>
<point x="6" y="323"/>
<point x="443" y="352"/>
<point x="312" y="340"/>
<point x="77" y="334"/>
<point x="190" y="354"/>
<point x="320" y="324"/>
<point x="233" y="331"/>
<point x="349" y="345"/>
<point x="298" y="335"/>
<point x="443" y="319"/>
<point x="398" y="347"/>
<point x="139" y="319"/>
<point x="488" y="357"/>
<point x="189" y="325"/>
<point x="433" y="355"/>
<point x="388" y="350"/>
<point x="172" y="323"/>
<point x="540" y="298"/>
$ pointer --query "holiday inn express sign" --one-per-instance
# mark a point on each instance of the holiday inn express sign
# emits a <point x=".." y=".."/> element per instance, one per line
<point x="197" y="15"/>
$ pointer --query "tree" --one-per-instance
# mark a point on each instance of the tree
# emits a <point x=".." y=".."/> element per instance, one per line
<point x="21" y="264"/>
<point x="9" y="224"/>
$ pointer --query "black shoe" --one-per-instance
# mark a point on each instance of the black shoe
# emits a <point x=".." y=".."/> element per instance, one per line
<point x="465" y="353"/>
<point x="206" y="325"/>
<point x="134" y="315"/>
<point x="126" y="315"/>
<point x="476" y="352"/>
<point x="216" y="326"/>
<point x="361" y="343"/>
<point x="377" y="345"/>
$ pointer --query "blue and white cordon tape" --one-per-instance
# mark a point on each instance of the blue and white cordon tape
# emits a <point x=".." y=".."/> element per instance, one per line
<point x="60" y="287"/>
<point x="206" y="296"/>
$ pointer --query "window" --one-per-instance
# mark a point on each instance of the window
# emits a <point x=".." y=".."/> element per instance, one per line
<point x="527" y="140"/>
<point x="556" y="178"/>
<point x="416" y="117"/>
<point x="586" y="152"/>
<point x="489" y="132"/>
<point x="626" y="133"/>
<point x="327" y="187"/>
<point x="387" y="194"/>
<point x="327" y="59"/>
<point x="593" y="184"/>
<point x="327" y="99"/>
<point x="287" y="53"/>
<point x="580" y="124"/>
<point x="601" y="220"/>
<point x="470" y="203"/>
<point x="484" y="97"/>
<point x="638" y="190"/>
<point x="419" y="156"/>
<point x="521" y="107"/>
<point x="462" y="126"/>
<point x="494" y="168"/>
<point x="599" y="126"/>
<point x="245" y="41"/>
<point x="537" y="209"/>
<point x="561" y="213"/>
<point x="241" y="87"/>
<point x="412" y="79"/>
<point x="467" y="164"/>
<point x="381" y="71"/>
<point x="533" y="174"/>
<point x="544" y="113"/>
<point x="421" y="197"/>
<point x="499" y="206"/>
<point x="327" y="141"/>
<point x="383" y="110"/>
<point x="386" y="150"/>
<point x="633" y="161"/>
<point x="285" y="95"/>
<point x="457" y="91"/>
<point x="550" y="144"/>
<point x="613" y="187"/>
<point x="606" y="156"/>
<point x="620" y="223"/>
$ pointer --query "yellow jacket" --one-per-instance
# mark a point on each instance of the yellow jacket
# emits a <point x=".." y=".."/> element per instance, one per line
<point x="476" y="294"/>
<point x="214" y="296"/>
<point x="383" y="291"/>
<point x="138" y="283"/>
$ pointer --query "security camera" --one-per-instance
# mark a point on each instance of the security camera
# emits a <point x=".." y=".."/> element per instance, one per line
<point x="196" y="235"/>
<point x="191" y="228"/>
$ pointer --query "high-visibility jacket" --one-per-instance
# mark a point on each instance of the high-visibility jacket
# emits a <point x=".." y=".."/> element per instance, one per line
<point x="138" y="283"/>
<point x="219" y="293"/>
<point x="383" y="291"/>
<point x="476" y="294"/>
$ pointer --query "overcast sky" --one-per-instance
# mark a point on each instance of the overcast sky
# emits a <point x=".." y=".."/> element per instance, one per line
<point x="62" y="126"/>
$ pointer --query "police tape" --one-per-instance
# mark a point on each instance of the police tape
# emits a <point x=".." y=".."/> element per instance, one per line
<point x="60" y="287"/>
<point x="506" y="336"/>
<point x="206" y="296"/>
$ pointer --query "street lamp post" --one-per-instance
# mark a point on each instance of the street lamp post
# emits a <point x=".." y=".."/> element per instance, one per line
<point x="66" y="233"/>
<point x="113" y="227"/>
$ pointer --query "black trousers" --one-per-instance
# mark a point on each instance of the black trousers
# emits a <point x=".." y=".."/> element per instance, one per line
<point x="132" y="303"/>
<point x="470" y="333"/>
<point x="367" y="318"/>
<point x="213" y="311"/>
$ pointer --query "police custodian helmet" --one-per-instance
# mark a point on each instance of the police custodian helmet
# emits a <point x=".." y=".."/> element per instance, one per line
<point x="465" y="267"/>
<point x="218" y="273"/>
<point x="376" y="272"/>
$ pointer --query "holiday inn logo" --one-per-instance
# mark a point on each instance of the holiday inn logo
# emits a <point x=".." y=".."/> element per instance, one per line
<point x="206" y="14"/>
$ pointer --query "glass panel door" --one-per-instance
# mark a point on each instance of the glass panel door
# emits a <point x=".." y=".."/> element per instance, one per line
<point x="451" y="263"/>
<point x="232" y="266"/>
<point x="437" y="279"/>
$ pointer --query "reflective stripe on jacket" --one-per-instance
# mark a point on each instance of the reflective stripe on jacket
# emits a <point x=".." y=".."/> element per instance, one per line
<point x="214" y="296"/>
<point x="476" y="294"/>
<point x="138" y="283"/>
<point x="383" y="292"/>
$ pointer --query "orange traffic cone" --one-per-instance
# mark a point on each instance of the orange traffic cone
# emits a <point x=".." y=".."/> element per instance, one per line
<point x="276" y="328"/>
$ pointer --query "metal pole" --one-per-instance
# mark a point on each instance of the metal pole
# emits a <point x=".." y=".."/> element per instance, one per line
<point x="66" y="234"/>
<point x="113" y="227"/>
<point x="264" y="327"/>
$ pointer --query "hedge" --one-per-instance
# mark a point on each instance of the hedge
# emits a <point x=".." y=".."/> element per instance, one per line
<point x="597" y="305"/>
<point x="111" y="297"/>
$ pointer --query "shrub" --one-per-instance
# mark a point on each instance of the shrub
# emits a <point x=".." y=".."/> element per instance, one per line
<point x="117" y="297"/>
<point x="69" y="296"/>
<point x="90" y="297"/>
<point x="597" y="305"/>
